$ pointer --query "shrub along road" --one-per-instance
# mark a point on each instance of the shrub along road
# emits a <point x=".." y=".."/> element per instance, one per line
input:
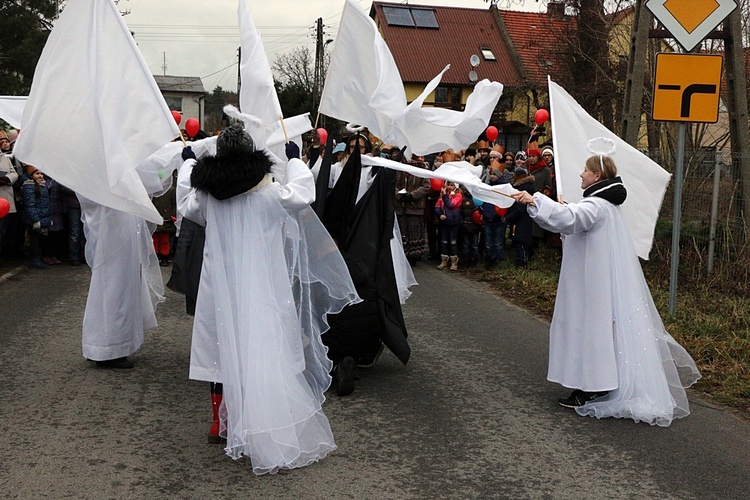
<point x="470" y="416"/>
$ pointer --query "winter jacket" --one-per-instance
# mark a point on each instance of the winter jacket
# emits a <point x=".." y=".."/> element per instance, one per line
<point x="489" y="211"/>
<point x="467" y="215"/>
<point x="450" y="206"/>
<point x="518" y="216"/>
<point x="36" y="205"/>
<point x="413" y="202"/>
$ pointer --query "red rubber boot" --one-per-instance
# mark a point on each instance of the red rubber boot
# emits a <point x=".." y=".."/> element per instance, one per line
<point x="213" y="433"/>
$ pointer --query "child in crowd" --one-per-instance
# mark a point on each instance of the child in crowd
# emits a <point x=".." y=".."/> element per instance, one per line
<point x="448" y="209"/>
<point x="53" y="245"/>
<point x="469" y="232"/>
<point x="36" y="214"/>
<point x="519" y="219"/>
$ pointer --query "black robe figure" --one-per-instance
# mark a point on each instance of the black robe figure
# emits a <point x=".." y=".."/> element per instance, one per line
<point x="363" y="230"/>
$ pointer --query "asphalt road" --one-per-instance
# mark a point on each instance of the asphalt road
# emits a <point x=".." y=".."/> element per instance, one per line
<point x="470" y="416"/>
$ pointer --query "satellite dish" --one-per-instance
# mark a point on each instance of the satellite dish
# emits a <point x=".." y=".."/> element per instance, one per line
<point x="474" y="60"/>
<point x="473" y="77"/>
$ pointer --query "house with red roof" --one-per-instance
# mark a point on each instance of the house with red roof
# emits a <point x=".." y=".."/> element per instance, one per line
<point x="517" y="49"/>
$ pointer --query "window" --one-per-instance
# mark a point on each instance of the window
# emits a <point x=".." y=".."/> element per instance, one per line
<point x="488" y="54"/>
<point x="424" y="18"/>
<point x="441" y="94"/>
<point x="398" y="16"/>
<point x="174" y="103"/>
<point x="404" y="16"/>
<point x="456" y="95"/>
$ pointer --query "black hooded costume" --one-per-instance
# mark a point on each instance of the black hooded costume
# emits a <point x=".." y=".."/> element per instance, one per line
<point x="363" y="230"/>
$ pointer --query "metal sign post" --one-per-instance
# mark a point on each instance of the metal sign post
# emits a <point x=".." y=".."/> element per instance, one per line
<point x="676" y="216"/>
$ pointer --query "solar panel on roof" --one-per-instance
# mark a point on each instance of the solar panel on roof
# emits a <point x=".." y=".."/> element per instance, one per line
<point x="398" y="16"/>
<point x="424" y="18"/>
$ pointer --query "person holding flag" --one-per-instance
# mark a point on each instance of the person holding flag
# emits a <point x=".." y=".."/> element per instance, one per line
<point x="607" y="342"/>
<point x="270" y="276"/>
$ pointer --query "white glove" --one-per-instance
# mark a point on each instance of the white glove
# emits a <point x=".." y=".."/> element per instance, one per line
<point x="36" y="226"/>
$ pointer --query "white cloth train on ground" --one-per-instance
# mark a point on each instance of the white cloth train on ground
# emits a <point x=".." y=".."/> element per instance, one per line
<point x="618" y="343"/>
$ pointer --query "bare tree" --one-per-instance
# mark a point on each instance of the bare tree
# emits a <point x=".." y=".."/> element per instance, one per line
<point x="296" y="68"/>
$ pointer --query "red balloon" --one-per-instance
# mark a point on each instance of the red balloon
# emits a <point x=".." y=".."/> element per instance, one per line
<point x="437" y="184"/>
<point x="192" y="127"/>
<point x="541" y="116"/>
<point x="491" y="133"/>
<point x="4" y="207"/>
<point x="177" y="116"/>
<point x="323" y="135"/>
<point x="477" y="217"/>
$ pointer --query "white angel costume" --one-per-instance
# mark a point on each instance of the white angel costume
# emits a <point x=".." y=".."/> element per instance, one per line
<point x="606" y="334"/>
<point x="126" y="283"/>
<point x="270" y="275"/>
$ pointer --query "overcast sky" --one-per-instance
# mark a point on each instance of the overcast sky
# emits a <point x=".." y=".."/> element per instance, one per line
<point x="200" y="37"/>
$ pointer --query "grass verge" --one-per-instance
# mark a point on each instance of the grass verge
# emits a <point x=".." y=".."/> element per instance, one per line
<point x="712" y="317"/>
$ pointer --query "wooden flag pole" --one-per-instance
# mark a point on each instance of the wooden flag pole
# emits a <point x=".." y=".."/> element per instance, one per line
<point x="283" y="127"/>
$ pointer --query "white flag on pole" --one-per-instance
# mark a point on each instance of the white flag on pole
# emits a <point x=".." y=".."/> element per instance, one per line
<point x="257" y="91"/>
<point x="11" y="109"/>
<point x="95" y="112"/>
<point x="645" y="180"/>
<point x="363" y="86"/>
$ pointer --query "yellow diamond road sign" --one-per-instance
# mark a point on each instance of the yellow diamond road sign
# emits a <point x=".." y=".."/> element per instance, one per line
<point x="689" y="21"/>
<point x="686" y="87"/>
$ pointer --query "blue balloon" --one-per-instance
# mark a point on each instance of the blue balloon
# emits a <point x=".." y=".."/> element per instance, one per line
<point x="477" y="202"/>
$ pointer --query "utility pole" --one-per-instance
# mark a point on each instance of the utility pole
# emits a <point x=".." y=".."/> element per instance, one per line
<point x="737" y="102"/>
<point x="239" y="71"/>
<point x="318" y="84"/>
<point x="633" y="101"/>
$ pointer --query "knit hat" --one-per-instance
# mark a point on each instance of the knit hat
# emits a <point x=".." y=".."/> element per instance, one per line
<point x="234" y="140"/>
<point x="470" y="152"/>
<point x="534" y="152"/>
<point x="547" y="150"/>
<point x="519" y="171"/>
<point x="521" y="156"/>
<point x="495" y="154"/>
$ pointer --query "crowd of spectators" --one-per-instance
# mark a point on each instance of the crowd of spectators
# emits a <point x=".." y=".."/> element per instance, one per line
<point x="43" y="213"/>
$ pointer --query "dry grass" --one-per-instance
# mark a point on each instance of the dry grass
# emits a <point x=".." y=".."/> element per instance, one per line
<point x="712" y="317"/>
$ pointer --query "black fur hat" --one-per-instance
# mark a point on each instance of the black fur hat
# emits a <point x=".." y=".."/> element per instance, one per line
<point x="234" y="140"/>
<point x="236" y="168"/>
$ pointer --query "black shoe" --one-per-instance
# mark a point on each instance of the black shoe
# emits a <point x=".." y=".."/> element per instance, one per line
<point x="579" y="398"/>
<point x="121" y="363"/>
<point x="369" y="361"/>
<point x="345" y="376"/>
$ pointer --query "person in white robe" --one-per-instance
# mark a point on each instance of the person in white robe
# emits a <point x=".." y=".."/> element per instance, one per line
<point x="607" y="341"/>
<point x="270" y="275"/>
<point x="126" y="284"/>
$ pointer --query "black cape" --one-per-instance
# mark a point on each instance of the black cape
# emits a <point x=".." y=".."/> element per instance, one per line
<point x="363" y="231"/>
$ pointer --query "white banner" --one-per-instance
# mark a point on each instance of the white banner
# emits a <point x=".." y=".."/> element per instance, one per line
<point x="645" y="180"/>
<point x="95" y="112"/>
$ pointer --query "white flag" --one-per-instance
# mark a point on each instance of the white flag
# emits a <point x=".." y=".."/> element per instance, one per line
<point x="364" y="87"/>
<point x="645" y="180"/>
<point x="460" y="172"/>
<point x="11" y="109"/>
<point x="95" y="112"/>
<point x="257" y="91"/>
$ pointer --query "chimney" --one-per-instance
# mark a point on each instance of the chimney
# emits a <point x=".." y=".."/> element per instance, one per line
<point x="555" y="9"/>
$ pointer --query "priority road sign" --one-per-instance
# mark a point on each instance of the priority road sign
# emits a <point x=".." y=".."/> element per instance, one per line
<point x="686" y="87"/>
<point x="690" y="21"/>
